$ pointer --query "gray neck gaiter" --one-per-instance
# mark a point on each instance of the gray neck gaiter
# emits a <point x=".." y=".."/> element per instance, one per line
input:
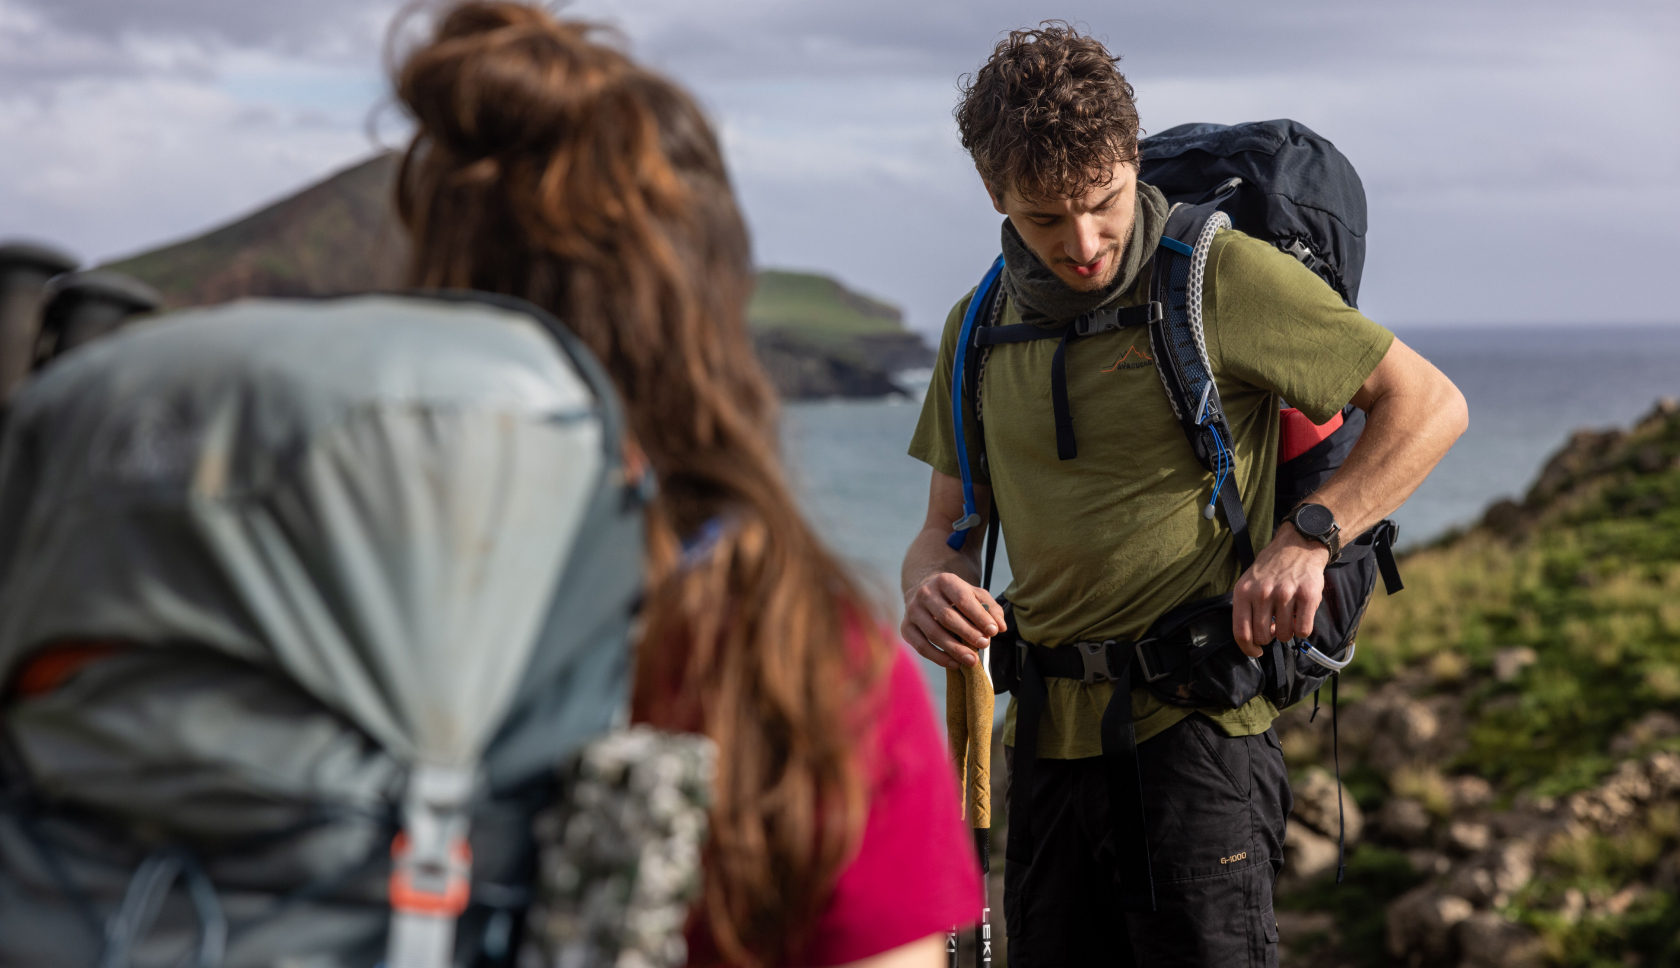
<point x="1043" y="299"/>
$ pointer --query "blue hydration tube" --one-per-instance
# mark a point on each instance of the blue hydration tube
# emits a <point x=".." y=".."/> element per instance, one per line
<point x="1223" y="460"/>
<point x="971" y="514"/>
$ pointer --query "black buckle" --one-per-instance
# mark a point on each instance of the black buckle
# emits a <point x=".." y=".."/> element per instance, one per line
<point x="1095" y="657"/>
<point x="1149" y="674"/>
<point x="1106" y="320"/>
<point x="1098" y="322"/>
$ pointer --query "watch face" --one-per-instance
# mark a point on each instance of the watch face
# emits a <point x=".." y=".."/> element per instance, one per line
<point x="1314" y="519"/>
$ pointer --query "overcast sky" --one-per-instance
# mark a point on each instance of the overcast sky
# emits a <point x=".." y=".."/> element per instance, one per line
<point x="1522" y="158"/>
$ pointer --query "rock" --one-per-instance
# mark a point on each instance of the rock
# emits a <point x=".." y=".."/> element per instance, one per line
<point x="803" y="370"/>
<point x="1487" y="940"/>
<point x="1307" y="855"/>
<point x="895" y="351"/>
<point x="1403" y="819"/>
<point x="1474" y="884"/>
<point x="1416" y="722"/>
<point x="1468" y="838"/>
<point x="1618" y="903"/>
<point x="1661" y="412"/>
<point x="1652" y="727"/>
<point x="1509" y="663"/>
<point x="1492" y="877"/>
<point x="1430" y="863"/>
<point x="1583" y="452"/>
<point x="1513" y="866"/>
<point x="1619" y="798"/>
<point x="1629" y="782"/>
<point x="1663" y="769"/>
<point x="1420" y="927"/>
<point x="1316" y="805"/>
<point x="1469" y="792"/>
<point x="1650" y="459"/>
<point x="1403" y="734"/>
<point x="1527" y="822"/>
<point x="1504" y="518"/>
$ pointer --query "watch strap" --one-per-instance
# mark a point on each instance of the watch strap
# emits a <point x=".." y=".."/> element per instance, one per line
<point x="1332" y="540"/>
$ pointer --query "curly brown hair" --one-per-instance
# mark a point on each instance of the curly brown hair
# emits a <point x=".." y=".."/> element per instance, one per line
<point x="1048" y="115"/>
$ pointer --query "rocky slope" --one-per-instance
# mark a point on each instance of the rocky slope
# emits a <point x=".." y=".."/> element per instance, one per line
<point x="816" y="337"/>
<point x="1509" y="740"/>
<point x="1509" y="737"/>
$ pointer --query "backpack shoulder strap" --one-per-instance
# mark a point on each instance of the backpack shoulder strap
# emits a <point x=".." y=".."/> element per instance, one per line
<point x="1181" y="357"/>
<point x="961" y="365"/>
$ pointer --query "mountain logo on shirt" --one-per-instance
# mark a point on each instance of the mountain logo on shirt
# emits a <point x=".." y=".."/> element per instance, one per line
<point x="1132" y="359"/>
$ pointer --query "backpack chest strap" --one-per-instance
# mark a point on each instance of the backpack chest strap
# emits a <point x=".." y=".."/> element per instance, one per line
<point x="1089" y="324"/>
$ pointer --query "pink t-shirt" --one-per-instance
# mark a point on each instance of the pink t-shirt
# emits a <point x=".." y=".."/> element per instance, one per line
<point x="916" y="873"/>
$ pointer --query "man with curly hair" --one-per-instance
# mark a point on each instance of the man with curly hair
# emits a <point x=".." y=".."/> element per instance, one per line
<point x="1104" y="541"/>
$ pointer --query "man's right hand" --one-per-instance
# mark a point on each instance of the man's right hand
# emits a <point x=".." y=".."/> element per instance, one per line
<point x="947" y="620"/>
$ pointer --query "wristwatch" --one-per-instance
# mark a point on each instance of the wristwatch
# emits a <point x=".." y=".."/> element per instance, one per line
<point x="1316" y="522"/>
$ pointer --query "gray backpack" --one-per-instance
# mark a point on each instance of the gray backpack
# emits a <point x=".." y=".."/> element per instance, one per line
<point x="368" y="566"/>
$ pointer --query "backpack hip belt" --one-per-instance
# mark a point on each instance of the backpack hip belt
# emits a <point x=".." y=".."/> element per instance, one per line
<point x="1088" y="662"/>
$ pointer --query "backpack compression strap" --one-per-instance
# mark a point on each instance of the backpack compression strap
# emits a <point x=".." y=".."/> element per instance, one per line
<point x="1182" y="361"/>
<point x="965" y="335"/>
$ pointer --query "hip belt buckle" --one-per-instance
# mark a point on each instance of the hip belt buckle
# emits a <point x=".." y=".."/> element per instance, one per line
<point x="1095" y="657"/>
<point x="1149" y="673"/>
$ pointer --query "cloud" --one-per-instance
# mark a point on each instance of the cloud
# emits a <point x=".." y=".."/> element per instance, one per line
<point x="1502" y="144"/>
<point x="126" y="124"/>
<point x="316" y="27"/>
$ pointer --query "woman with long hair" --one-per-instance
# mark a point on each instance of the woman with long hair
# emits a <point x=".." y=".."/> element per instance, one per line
<point x="548" y="165"/>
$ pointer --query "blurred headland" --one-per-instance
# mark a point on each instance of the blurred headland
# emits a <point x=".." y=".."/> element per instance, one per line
<point x="816" y="337"/>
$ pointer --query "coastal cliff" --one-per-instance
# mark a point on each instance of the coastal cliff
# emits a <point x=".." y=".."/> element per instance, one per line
<point x="1509" y="738"/>
<point x="815" y="337"/>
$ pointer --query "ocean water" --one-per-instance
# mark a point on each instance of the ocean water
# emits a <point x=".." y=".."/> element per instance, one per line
<point x="1527" y="388"/>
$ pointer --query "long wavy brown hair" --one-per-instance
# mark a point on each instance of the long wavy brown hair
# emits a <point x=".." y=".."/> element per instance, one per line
<point x="548" y="165"/>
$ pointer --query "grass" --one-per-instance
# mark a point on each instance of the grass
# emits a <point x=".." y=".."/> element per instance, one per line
<point x="1375" y="876"/>
<point x="1596" y="595"/>
<point x="1591" y="584"/>
<point x="1615" y="922"/>
<point x="818" y="307"/>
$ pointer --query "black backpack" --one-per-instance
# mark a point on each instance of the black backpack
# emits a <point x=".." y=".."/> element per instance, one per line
<point x="1280" y="182"/>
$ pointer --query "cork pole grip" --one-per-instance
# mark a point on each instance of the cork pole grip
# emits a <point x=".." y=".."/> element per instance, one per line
<point x="956" y="727"/>
<point x="968" y="720"/>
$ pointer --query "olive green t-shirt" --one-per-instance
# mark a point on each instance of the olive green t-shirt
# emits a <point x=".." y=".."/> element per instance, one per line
<point x="1103" y="544"/>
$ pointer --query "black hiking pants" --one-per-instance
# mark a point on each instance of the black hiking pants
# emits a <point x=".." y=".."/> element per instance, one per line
<point x="1215" y="808"/>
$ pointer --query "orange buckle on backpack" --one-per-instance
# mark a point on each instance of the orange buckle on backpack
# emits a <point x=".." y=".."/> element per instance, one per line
<point x="410" y="898"/>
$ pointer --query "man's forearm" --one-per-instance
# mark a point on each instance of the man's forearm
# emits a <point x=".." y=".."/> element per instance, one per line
<point x="1413" y="416"/>
<point x="929" y="554"/>
<point x="946" y="618"/>
<point x="1407" y="431"/>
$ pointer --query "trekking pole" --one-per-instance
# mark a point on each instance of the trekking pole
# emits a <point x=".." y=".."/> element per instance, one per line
<point x="968" y="720"/>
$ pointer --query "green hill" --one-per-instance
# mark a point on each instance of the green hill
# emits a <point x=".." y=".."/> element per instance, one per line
<point x="818" y="306"/>
<point x="816" y="337"/>
<point x="336" y="236"/>
<point x="1508" y="733"/>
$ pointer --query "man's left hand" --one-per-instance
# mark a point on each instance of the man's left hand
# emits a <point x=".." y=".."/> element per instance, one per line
<point x="1277" y="598"/>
